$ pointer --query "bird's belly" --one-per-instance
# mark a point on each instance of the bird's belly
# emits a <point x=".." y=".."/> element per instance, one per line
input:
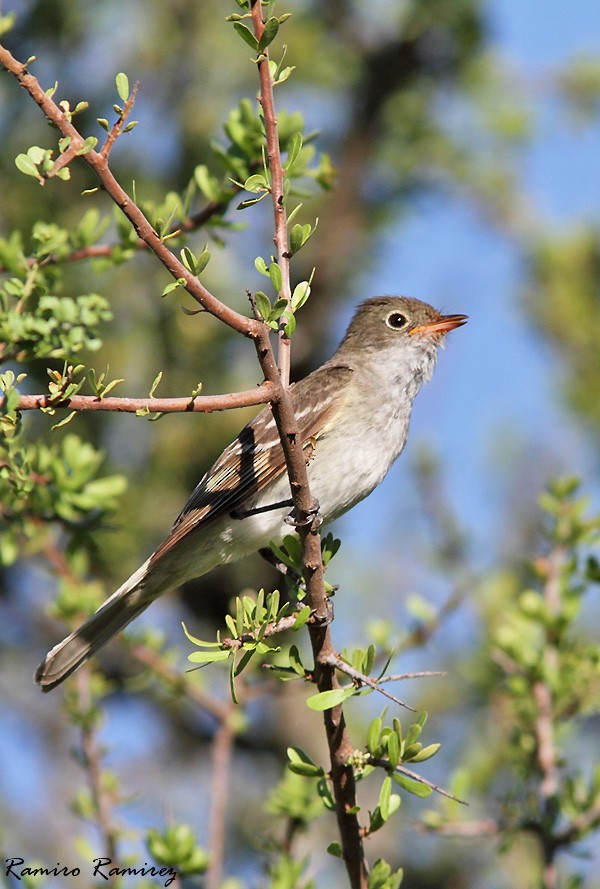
<point x="342" y="472"/>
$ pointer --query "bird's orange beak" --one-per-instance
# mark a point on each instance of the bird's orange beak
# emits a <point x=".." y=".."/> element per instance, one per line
<point x="442" y="325"/>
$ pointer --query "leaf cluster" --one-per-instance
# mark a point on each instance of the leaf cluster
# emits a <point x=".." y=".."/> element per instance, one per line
<point x="58" y="483"/>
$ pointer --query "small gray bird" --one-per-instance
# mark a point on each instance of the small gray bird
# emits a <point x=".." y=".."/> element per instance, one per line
<point x="353" y="414"/>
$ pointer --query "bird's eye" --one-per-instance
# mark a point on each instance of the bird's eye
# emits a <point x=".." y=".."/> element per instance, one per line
<point x="396" y="320"/>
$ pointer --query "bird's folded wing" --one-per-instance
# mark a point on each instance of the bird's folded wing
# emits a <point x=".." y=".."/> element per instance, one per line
<point x="255" y="457"/>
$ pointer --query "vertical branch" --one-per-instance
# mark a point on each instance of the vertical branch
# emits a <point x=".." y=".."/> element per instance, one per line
<point x="93" y="766"/>
<point x="340" y="747"/>
<point x="280" y="238"/>
<point x="84" y="713"/>
<point x="222" y="752"/>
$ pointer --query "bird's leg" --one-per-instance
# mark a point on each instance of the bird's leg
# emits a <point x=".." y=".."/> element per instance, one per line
<point x="245" y="513"/>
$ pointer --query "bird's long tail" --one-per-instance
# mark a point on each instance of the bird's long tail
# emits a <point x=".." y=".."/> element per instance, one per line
<point x="121" y="608"/>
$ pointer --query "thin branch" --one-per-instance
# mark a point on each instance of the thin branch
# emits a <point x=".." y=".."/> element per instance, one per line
<point x="119" y="124"/>
<point x="179" y="683"/>
<point x="277" y="193"/>
<point x="385" y="764"/>
<point x="198" y="403"/>
<point x="340" y="746"/>
<point x="99" y="164"/>
<point x="467" y="829"/>
<point x="223" y="745"/>
<point x="410" y="774"/>
<point x="360" y="679"/>
<point x="103" y="251"/>
<point x="93" y="766"/>
<point x="280" y="626"/>
<point x="420" y="674"/>
<point x="92" y="757"/>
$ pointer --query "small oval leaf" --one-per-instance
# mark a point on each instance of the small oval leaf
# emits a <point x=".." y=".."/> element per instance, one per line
<point x="325" y="700"/>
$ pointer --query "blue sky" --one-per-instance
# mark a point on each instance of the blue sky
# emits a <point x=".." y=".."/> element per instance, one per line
<point x="497" y="382"/>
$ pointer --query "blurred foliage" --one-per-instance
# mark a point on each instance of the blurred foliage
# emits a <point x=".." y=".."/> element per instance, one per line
<point x="564" y="301"/>
<point x="409" y="100"/>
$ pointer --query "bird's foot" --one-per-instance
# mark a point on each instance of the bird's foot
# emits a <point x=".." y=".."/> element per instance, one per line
<point x="311" y="517"/>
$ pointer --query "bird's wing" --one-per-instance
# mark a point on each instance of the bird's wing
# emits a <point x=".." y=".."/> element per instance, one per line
<point x="255" y="457"/>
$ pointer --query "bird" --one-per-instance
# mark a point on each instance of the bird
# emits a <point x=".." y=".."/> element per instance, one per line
<point x="353" y="414"/>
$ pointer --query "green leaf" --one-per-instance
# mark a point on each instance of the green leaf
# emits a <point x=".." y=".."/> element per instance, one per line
<point x="243" y="205"/>
<point x="155" y="384"/>
<point x="307" y="771"/>
<point x="189" y="260"/>
<point x="324" y="792"/>
<point x="301" y="763"/>
<point x="413" y="733"/>
<point x="335" y="849"/>
<point x="384" y="797"/>
<point x="326" y="700"/>
<point x="393" y="749"/>
<point x="290" y="326"/>
<point x="196" y="641"/>
<point x="256" y="183"/>
<point x="269" y="34"/>
<point x="88" y="145"/>
<point x="239" y="617"/>
<point x="173" y="286"/>
<point x="294" y="213"/>
<point x="231" y="625"/>
<point x="202" y="261"/>
<point x="36" y="154"/>
<point x="207" y="183"/>
<point x="285" y="73"/>
<point x="295" y="661"/>
<point x="301" y="618"/>
<point x="373" y="735"/>
<point x="263" y="304"/>
<point x="381" y="876"/>
<point x="294" y="548"/>
<point x="64" y="422"/>
<point x="279" y="308"/>
<point x="208" y="657"/>
<point x="25" y="164"/>
<point x="426" y="753"/>
<point x="246" y="34"/>
<point x="244" y="661"/>
<point x="122" y="82"/>
<point x="294" y="150"/>
<point x="414" y="787"/>
<point x="261" y="266"/>
<point x="330" y="546"/>
<point x="299" y="235"/>
<point x="232" y="680"/>
<point x="276" y="276"/>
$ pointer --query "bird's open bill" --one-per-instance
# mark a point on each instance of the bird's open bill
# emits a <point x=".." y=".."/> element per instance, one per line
<point x="442" y="325"/>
